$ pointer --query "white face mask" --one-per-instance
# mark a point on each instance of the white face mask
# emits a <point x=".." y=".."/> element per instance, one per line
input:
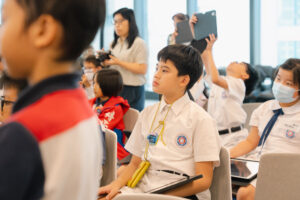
<point x="284" y="94"/>
<point x="89" y="74"/>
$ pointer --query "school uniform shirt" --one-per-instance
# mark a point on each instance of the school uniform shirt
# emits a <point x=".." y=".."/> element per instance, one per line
<point x="190" y="136"/>
<point x="285" y="134"/>
<point x="225" y="106"/>
<point x="197" y="93"/>
<point x="50" y="147"/>
<point x="137" y="53"/>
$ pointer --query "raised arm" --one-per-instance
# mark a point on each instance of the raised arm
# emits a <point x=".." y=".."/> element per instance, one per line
<point x="209" y="63"/>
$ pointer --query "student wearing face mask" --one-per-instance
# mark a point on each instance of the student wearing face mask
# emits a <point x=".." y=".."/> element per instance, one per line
<point x="91" y="66"/>
<point x="275" y="125"/>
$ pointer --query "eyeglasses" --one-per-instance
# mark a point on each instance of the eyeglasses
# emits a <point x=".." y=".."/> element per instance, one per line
<point x="116" y="22"/>
<point x="5" y="102"/>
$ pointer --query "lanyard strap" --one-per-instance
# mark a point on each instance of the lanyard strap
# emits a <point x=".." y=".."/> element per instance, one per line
<point x="160" y="135"/>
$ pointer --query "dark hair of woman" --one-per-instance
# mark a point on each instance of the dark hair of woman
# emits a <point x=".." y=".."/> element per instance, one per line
<point x="127" y="14"/>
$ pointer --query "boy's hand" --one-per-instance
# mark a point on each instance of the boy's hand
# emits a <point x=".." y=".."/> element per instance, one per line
<point x="192" y="22"/>
<point x="173" y="36"/>
<point x="111" y="190"/>
<point x="112" y="61"/>
<point x="84" y="81"/>
<point x="210" y="42"/>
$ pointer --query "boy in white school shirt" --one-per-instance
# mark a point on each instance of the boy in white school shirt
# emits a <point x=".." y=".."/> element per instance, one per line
<point x="184" y="142"/>
<point x="227" y="94"/>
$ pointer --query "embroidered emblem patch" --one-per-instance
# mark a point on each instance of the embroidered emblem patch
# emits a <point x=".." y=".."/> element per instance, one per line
<point x="290" y="134"/>
<point x="181" y="140"/>
<point x="152" y="138"/>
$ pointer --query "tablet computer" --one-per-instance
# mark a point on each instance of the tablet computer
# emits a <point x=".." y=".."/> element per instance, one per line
<point x="244" y="170"/>
<point x="174" y="185"/>
<point x="206" y="24"/>
<point x="184" y="32"/>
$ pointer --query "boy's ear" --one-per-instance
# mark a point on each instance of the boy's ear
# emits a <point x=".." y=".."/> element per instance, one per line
<point x="185" y="79"/>
<point x="245" y="76"/>
<point x="45" y="31"/>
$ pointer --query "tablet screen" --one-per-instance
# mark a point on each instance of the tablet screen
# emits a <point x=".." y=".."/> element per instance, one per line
<point x="244" y="169"/>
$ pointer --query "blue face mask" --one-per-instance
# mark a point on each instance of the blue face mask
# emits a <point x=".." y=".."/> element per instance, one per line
<point x="284" y="94"/>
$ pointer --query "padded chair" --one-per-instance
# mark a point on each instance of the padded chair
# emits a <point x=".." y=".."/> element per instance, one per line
<point x="278" y="177"/>
<point x="110" y="166"/>
<point x="220" y="188"/>
<point x="130" y="118"/>
<point x="143" y="196"/>
<point x="249" y="108"/>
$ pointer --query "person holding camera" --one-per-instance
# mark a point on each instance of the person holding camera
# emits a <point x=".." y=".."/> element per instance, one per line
<point x="129" y="56"/>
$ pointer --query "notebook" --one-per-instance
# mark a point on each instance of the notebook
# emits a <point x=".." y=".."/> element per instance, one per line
<point x="244" y="170"/>
<point x="174" y="185"/>
<point x="206" y="24"/>
<point x="184" y="32"/>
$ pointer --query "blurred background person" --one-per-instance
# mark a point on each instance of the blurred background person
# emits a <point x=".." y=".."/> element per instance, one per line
<point x="129" y="57"/>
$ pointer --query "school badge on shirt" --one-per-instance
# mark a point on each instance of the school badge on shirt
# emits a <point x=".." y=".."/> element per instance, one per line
<point x="290" y="134"/>
<point x="181" y="140"/>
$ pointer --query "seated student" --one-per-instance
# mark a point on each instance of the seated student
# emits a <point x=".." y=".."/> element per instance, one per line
<point x="176" y="135"/>
<point x="227" y="94"/>
<point x="11" y="89"/>
<point x="275" y="125"/>
<point x="50" y="146"/>
<point x="109" y="107"/>
<point x="91" y="66"/>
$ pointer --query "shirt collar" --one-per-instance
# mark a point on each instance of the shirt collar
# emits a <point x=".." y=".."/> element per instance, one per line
<point x="287" y="110"/>
<point x="177" y="106"/>
<point x="52" y="84"/>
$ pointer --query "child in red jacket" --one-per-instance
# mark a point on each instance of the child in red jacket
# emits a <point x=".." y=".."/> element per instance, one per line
<point x="110" y="107"/>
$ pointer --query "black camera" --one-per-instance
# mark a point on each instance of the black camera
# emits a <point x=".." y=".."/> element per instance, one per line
<point x="103" y="55"/>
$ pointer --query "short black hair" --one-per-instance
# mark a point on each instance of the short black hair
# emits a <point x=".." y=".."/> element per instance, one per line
<point x="8" y="82"/>
<point x="291" y="64"/>
<point x="127" y="14"/>
<point x="186" y="59"/>
<point x="92" y="59"/>
<point x="251" y="82"/>
<point x="110" y="82"/>
<point x="80" y="20"/>
<point x="180" y="16"/>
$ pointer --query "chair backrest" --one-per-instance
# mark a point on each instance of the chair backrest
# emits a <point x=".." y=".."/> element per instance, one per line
<point x="110" y="166"/>
<point x="278" y="177"/>
<point x="130" y="118"/>
<point x="144" y="196"/>
<point x="249" y="108"/>
<point x="220" y="188"/>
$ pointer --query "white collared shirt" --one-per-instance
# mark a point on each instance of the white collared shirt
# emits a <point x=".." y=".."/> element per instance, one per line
<point x="137" y="53"/>
<point x="285" y="134"/>
<point x="190" y="135"/>
<point x="225" y="106"/>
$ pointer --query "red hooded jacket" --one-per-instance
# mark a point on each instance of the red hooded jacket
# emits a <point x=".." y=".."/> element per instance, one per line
<point x="111" y="116"/>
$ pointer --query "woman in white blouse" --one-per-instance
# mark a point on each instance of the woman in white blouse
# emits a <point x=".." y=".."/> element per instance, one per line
<point x="129" y="57"/>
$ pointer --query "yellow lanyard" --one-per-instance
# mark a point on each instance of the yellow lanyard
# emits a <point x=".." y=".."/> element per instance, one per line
<point x="160" y="135"/>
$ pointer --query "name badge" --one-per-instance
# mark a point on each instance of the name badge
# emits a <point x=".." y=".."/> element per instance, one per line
<point x="152" y="138"/>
